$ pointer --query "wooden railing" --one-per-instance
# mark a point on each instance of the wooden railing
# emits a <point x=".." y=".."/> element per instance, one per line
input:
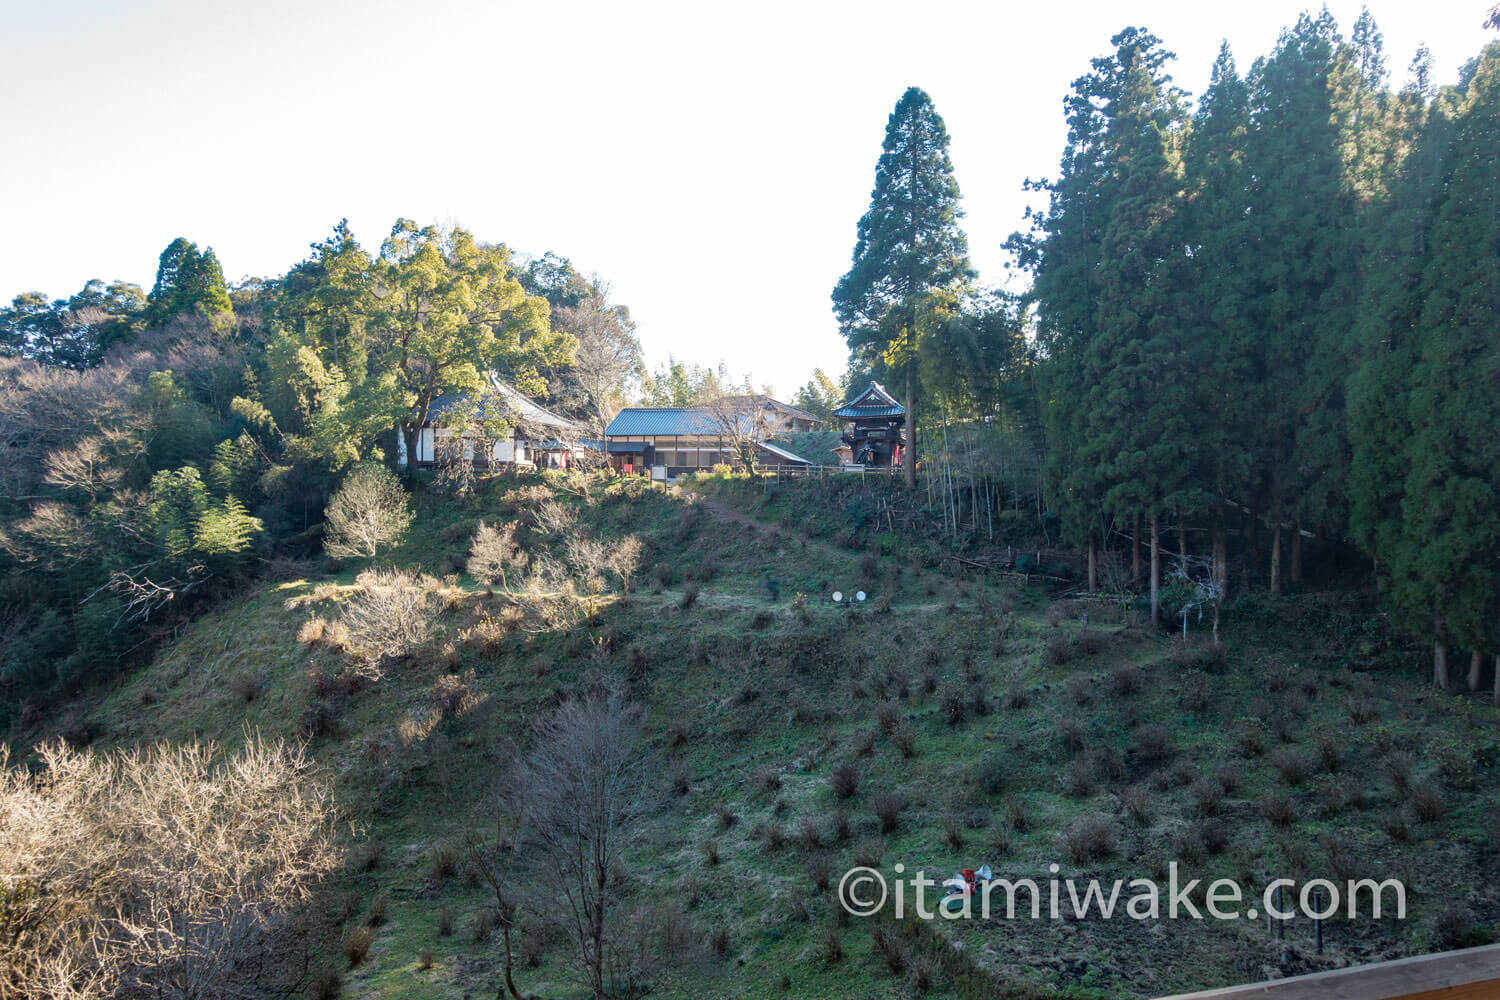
<point x="1470" y="974"/>
<point x="830" y="470"/>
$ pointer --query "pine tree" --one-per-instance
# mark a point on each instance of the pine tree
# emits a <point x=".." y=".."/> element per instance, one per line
<point x="326" y="301"/>
<point x="909" y="248"/>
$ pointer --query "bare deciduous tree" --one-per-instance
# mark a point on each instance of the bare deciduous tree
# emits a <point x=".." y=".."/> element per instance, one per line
<point x="53" y="534"/>
<point x="625" y="559"/>
<point x="45" y="409"/>
<point x="741" y="420"/>
<point x="494" y="552"/>
<point x="490" y="841"/>
<point x="609" y="356"/>
<point x="91" y="466"/>
<point x="455" y="460"/>
<point x="153" y="872"/>
<point x="369" y="511"/>
<point x="553" y="518"/>
<point x="581" y="791"/>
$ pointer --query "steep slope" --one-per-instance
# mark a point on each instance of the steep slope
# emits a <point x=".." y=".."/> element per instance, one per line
<point x="1008" y="732"/>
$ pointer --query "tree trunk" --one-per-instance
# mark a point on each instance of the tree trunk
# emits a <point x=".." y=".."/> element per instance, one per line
<point x="1135" y="553"/>
<point x="1497" y="680"/>
<point x="410" y="434"/>
<point x="1440" y="654"/>
<point x="1276" y="558"/>
<point x="510" y="983"/>
<point x="1182" y="542"/>
<point x="1221" y="555"/>
<point x="1093" y="555"/>
<point x="909" y="453"/>
<point x="1252" y="539"/>
<point x="1476" y="669"/>
<point x="1297" y="551"/>
<point x="1155" y="573"/>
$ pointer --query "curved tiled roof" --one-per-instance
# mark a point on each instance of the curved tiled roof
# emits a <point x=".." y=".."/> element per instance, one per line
<point x="512" y="406"/>
<point x="873" y="402"/>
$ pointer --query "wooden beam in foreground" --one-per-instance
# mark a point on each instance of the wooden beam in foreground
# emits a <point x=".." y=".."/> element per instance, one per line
<point x="1471" y="974"/>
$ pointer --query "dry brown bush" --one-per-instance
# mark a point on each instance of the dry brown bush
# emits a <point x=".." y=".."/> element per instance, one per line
<point x="454" y="695"/>
<point x="1293" y="765"/>
<point x="844" y="780"/>
<point x="1080" y="687"/>
<point x="1279" y="810"/>
<point x="887" y="807"/>
<point x="311" y="632"/>
<point x="1427" y="802"/>
<point x="153" y="872"/>
<point x="357" y="945"/>
<point x="389" y="616"/>
<point x="1152" y="743"/>
<point x="1059" y="649"/>
<point x="1089" y="838"/>
<point x="1136" y="801"/>
<point x="1127" y="680"/>
<point x="494" y="553"/>
<point x="904" y="739"/>
<point x="1078" y="779"/>
<point x="1070" y="734"/>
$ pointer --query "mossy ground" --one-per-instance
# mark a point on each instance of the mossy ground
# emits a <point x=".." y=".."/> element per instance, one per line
<point x="757" y="700"/>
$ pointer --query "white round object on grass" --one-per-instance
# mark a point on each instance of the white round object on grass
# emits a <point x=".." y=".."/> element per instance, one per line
<point x="860" y="596"/>
<point x="838" y="595"/>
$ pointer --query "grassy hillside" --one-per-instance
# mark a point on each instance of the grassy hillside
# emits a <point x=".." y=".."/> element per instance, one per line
<point x="1014" y="734"/>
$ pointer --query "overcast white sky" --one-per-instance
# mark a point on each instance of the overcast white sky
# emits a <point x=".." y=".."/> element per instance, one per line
<point x="710" y="160"/>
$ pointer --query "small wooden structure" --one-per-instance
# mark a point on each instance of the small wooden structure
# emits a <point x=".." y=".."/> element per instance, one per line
<point x="875" y="435"/>
<point x="1470" y="974"/>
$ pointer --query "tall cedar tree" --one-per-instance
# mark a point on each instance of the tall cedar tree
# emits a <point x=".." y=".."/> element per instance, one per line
<point x="1452" y="508"/>
<point x="1305" y="276"/>
<point x="1108" y="264"/>
<point x="1137" y="405"/>
<point x="910" y="252"/>
<point x="1386" y="331"/>
<point x="1221" y="334"/>
<point x="1062" y="251"/>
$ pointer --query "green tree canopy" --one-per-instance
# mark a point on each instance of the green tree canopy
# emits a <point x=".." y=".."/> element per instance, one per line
<point x="187" y="281"/>
<point x="448" y="309"/>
